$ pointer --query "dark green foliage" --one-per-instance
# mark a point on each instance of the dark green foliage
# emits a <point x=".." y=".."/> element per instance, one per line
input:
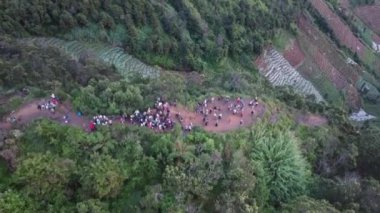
<point x="11" y="201"/>
<point x="191" y="31"/>
<point x="102" y="177"/>
<point x="45" y="68"/>
<point x="307" y="204"/>
<point x="369" y="151"/>
<point x="132" y="169"/>
<point x="70" y="169"/>
<point x="44" y="177"/>
<point x="104" y="96"/>
<point x="361" y="2"/>
<point x="349" y="193"/>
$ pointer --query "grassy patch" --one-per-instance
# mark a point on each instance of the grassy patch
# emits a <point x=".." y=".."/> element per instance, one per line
<point x="161" y="60"/>
<point x="15" y="102"/>
<point x="372" y="108"/>
<point x="369" y="57"/>
<point x="281" y="39"/>
<point x="324" y="86"/>
<point x="364" y="32"/>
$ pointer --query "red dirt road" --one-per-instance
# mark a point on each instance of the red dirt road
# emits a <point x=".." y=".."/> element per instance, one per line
<point x="229" y="122"/>
<point x="29" y="113"/>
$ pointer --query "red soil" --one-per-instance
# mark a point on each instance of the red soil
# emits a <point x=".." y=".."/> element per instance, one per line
<point x="370" y="14"/>
<point x="311" y="120"/>
<point x="229" y="122"/>
<point x="330" y="71"/>
<point x="294" y="55"/>
<point x="319" y="41"/>
<point x="29" y="112"/>
<point x="323" y="53"/>
<point x="340" y="30"/>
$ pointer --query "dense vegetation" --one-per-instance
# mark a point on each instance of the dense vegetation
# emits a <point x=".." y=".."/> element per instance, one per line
<point x="361" y="2"/>
<point x="179" y="34"/>
<point x="270" y="167"/>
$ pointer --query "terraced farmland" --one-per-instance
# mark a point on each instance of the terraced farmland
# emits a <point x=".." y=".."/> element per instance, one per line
<point x="293" y="54"/>
<point x="279" y="72"/>
<point x="312" y="73"/>
<point x="123" y="62"/>
<point x="315" y="37"/>
<point x="339" y="28"/>
<point x="370" y="14"/>
<point x="325" y="59"/>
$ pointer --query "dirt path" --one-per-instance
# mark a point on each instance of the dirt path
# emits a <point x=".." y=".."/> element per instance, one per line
<point x="29" y="112"/>
<point x="229" y="121"/>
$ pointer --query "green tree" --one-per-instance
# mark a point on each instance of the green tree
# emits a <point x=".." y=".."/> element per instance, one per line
<point x="284" y="171"/>
<point x="102" y="177"/>
<point x="369" y="151"/>
<point x="12" y="201"/>
<point x="92" y="206"/>
<point x="192" y="183"/>
<point x="238" y="186"/>
<point x="67" y="21"/>
<point x="307" y="204"/>
<point x="45" y="176"/>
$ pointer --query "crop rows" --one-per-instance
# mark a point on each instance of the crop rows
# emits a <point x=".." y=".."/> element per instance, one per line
<point x="370" y="14"/>
<point x="280" y="73"/>
<point x="329" y="61"/>
<point x="329" y="70"/>
<point x="123" y="62"/>
<point x="313" y="36"/>
<point x="340" y="30"/>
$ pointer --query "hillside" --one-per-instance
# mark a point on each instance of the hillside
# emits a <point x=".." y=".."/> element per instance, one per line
<point x="189" y="106"/>
<point x="175" y="34"/>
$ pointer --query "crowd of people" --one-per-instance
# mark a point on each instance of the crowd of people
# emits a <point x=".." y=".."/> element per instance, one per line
<point x="50" y="105"/>
<point x="213" y="113"/>
<point x="156" y="118"/>
<point x="99" y="120"/>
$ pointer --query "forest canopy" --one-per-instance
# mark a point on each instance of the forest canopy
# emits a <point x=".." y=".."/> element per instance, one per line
<point x="280" y="163"/>
<point x="191" y="32"/>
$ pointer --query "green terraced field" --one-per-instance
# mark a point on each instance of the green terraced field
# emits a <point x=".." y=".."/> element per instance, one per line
<point x="116" y="56"/>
